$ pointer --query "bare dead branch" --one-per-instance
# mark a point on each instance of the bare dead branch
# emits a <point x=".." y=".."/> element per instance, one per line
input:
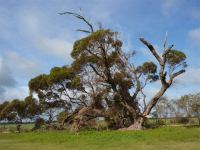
<point x="82" y="30"/>
<point x="94" y="69"/>
<point x="167" y="50"/>
<point x="138" y="86"/>
<point x="174" y="75"/>
<point x="93" y="54"/>
<point x="79" y="17"/>
<point x="165" y="41"/>
<point x="144" y="99"/>
<point x="152" y="49"/>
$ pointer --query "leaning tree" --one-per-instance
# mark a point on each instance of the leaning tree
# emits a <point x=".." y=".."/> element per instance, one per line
<point x="108" y="85"/>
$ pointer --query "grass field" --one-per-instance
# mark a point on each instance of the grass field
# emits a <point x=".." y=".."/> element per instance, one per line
<point x="167" y="138"/>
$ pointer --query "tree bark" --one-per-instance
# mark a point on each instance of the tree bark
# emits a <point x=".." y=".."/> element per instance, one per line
<point x="138" y="124"/>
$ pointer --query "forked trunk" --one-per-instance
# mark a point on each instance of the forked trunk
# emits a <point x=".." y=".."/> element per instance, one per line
<point x="137" y="125"/>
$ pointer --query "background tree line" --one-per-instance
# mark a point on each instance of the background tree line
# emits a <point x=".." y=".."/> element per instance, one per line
<point x="182" y="110"/>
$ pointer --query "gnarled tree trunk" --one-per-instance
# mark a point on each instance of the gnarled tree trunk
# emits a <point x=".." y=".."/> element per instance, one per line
<point x="84" y="117"/>
<point x="139" y="122"/>
<point x="137" y="125"/>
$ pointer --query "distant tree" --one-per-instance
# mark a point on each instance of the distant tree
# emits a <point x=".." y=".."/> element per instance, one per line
<point x="2" y="107"/>
<point x="17" y="107"/>
<point x="196" y="105"/>
<point x="32" y="108"/>
<point x="184" y="105"/>
<point x="39" y="122"/>
<point x="163" y="108"/>
<point x="57" y="91"/>
<point x="188" y="106"/>
<point x="17" y="110"/>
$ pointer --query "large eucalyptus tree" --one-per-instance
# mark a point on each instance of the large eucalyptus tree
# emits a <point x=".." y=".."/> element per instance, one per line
<point x="102" y="81"/>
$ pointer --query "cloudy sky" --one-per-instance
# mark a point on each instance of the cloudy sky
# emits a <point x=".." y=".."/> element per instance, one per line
<point x="34" y="38"/>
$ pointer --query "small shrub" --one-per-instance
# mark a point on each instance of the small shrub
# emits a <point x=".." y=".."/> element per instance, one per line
<point x="173" y="121"/>
<point x="18" y="128"/>
<point x="54" y="126"/>
<point x="182" y="120"/>
<point x="39" y="122"/>
<point x="192" y="121"/>
<point x="154" y="123"/>
<point x="160" y="122"/>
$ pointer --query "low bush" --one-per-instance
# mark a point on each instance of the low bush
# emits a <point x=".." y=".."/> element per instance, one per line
<point x="39" y="122"/>
<point x="182" y="120"/>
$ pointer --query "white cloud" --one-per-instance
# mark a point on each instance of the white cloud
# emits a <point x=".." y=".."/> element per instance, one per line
<point x="151" y="91"/>
<point x="34" y="24"/>
<point x="195" y="14"/>
<point x="6" y="76"/>
<point x="54" y="46"/>
<point x="7" y="79"/>
<point x="194" y="35"/>
<point x="170" y="6"/>
<point x="190" y="77"/>
<point x="20" y="65"/>
<point x="31" y="22"/>
<point x="13" y="67"/>
<point x="146" y="52"/>
<point x="14" y="93"/>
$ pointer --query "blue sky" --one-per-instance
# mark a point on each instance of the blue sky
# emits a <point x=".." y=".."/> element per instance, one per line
<point x="34" y="38"/>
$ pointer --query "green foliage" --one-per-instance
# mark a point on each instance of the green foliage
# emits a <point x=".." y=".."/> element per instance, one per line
<point x="11" y="116"/>
<point x="81" y="45"/>
<point x="92" y="50"/>
<point x="59" y="74"/>
<point x="155" y="123"/>
<point x="74" y="84"/>
<point x="3" y="105"/>
<point x="121" y="79"/>
<point x="14" y="111"/>
<point x="33" y="107"/>
<point x="62" y="116"/>
<point x="17" y="110"/>
<point x="39" y="82"/>
<point x="19" y="107"/>
<point x="182" y="120"/>
<point x="148" y="68"/>
<point x="175" y="57"/>
<point x="2" y="110"/>
<point x="51" y="87"/>
<point x="39" y="122"/>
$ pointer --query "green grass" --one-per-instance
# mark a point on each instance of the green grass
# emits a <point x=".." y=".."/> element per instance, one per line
<point x="167" y="138"/>
<point x="12" y="128"/>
